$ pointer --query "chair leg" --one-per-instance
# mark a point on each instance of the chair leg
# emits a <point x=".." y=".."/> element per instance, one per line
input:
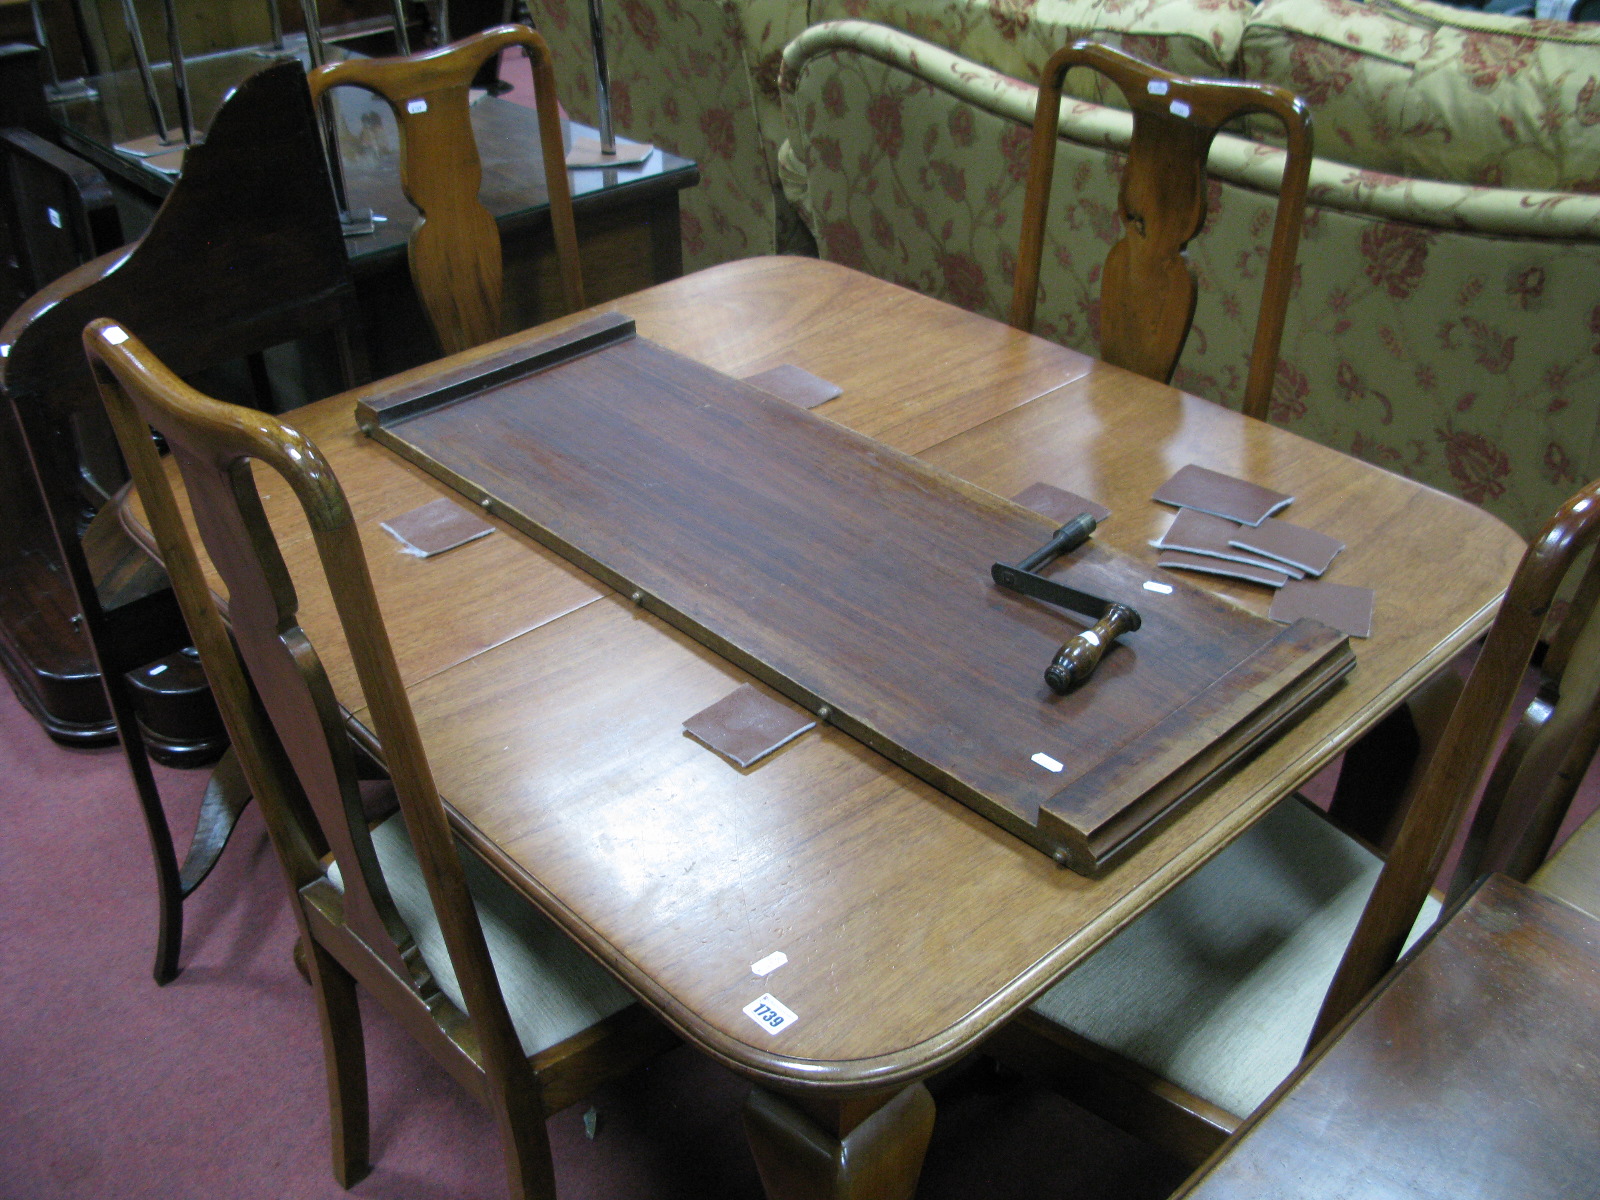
<point x="169" y="885"/>
<point x="529" y="1171"/>
<point x="345" y="1059"/>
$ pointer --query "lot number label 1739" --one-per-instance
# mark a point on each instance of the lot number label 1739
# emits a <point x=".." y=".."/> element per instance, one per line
<point x="768" y="1013"/>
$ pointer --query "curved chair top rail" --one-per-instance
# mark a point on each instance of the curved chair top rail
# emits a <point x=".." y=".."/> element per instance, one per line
<point x="455" y="247"/>
<point x="1147" y="290"/>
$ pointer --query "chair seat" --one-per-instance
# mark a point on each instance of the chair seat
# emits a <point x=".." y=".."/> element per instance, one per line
<point x="1217" y="986"/>
<point x="552" y="988"/>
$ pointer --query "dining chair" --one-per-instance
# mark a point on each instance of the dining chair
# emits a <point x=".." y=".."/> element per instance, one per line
<point x="455" y="246"/>
<point x="1185" y="1021"/>
<point x="495" y="990"/>
<point x="245" y="254"/>
<point x="1147" y="290"/>
<point x="1468" y="1073"/>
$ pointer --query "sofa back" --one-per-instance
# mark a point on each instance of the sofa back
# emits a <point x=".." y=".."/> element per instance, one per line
<point x="1419" y="89"/>
<point x="1016" y="37"/>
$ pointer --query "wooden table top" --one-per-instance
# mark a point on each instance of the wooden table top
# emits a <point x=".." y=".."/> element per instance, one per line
<point x="551" y="708"/>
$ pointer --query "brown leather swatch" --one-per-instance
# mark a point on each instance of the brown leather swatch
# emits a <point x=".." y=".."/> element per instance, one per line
<point x="1201" y="533"/>
<point x="796" y="385"/>
<point x="437" y="526"/>
<point x="1059" y="504"/>
<point x="747" y="725"/>
<point x="1347" y="609"/>
<point x="1306" y="549"/>
<point x="1221" y="495"/>
<point x="1207" y="565"/>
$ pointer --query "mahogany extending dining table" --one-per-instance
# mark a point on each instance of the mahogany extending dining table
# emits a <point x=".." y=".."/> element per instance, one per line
<point x="911" y="927"/>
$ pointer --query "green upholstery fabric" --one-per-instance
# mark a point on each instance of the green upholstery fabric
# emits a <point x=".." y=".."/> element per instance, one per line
<point x="1430" y="91"/>
<point x="552" y="989"/>
<point x="1446" y="330"/>
<point x="1216" y="987"/>
<point x="1017" y="39"/>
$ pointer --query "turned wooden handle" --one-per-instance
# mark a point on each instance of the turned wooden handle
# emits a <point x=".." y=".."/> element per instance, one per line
<point x="1077" y="659"/>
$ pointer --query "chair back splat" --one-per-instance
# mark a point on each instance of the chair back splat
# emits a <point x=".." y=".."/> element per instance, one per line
<point x="394" y="908"/>
<point x="1147" y="294"/>
<point x="455" y="247"/>
<point x="273" y="691"/>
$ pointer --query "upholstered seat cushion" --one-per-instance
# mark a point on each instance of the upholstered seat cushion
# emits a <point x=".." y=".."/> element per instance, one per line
<point x="552" y="989"/>
<point x="1216" y="987"/>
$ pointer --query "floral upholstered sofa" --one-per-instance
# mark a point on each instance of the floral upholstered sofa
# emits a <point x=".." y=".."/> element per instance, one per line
<point x="1445" y="317"/>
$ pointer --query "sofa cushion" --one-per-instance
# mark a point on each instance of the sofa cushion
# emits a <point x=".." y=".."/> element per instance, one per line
<point x="1017" y="37"/>
<point x="1421" y="89"/>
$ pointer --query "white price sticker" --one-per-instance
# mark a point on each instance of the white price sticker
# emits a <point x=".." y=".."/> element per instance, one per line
<point x="767" y="1012"/>
<point x="769" y="964"/>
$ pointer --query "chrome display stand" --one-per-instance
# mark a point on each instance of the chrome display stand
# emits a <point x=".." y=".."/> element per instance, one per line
<point x="606" y="150"/>
<point x="164" y="148"/>
<point x="354" y="222"/>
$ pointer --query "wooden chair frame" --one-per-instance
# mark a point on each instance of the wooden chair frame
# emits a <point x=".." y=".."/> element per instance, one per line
<point x="249" y="237"/>
<point x="1147" y="293"/>
<point x="455" y="247"/>
<point x="1531" y="781"/>
<point x="291" y="739"/>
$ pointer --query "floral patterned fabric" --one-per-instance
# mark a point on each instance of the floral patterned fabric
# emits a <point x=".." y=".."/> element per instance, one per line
<point x="1395" y="84"/>
<point x="698" y="78"/>
<point x="1017" y="37"/>
<point x="1448" y="332"/>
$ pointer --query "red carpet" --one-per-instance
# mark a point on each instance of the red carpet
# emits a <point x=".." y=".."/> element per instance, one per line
<point x="212" y="1086"/>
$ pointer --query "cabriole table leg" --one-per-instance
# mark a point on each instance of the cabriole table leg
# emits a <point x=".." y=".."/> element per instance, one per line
<point x="854" y="1148"/>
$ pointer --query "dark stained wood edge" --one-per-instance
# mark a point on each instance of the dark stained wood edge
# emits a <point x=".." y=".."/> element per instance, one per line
<point x="1289" y="677"/>
<point x="376" y="415"/>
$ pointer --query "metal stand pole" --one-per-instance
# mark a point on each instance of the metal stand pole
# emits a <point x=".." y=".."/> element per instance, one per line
<point x="276" y="18"/>
<point x="180" y="72"/>
<point x="402" y="39"/>
<point x="142" y="59"/>
<point x="73" y="89"/>
<point x="353" y="222"/>
<point x="602" y="78"/>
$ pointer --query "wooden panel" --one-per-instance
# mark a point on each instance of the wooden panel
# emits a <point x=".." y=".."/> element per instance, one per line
<point x="1469" y="1076"/>
<point x="855" y="580"/>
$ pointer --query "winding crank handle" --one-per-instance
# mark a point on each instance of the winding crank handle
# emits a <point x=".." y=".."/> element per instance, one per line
<point x="1077" y="659"/>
